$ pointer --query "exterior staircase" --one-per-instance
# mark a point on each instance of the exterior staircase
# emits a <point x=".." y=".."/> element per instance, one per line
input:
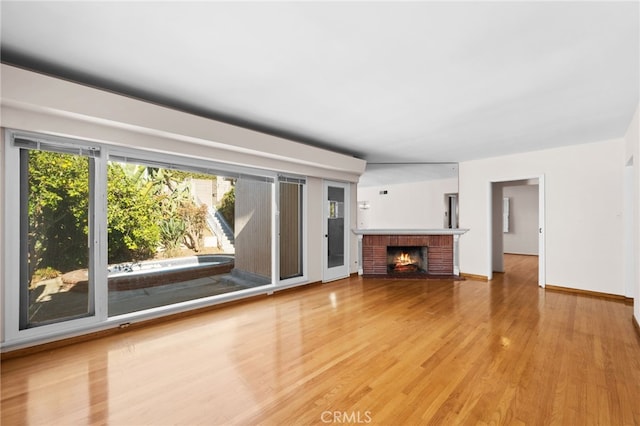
<point x="222" y="230"/>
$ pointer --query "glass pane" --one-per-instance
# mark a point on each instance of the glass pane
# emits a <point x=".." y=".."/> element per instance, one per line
<point x="171" y="236"/>
<point x="290" y="205"/>
<point x="55" y="203"/>
<point x="335" y="227"/>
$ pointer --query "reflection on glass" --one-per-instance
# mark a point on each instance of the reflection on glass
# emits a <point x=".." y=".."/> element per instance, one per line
<point x="170" y="236"/>
<point x="55" y="203"/>
<point x="165" y="236"/>
<point x="335" y="227"/>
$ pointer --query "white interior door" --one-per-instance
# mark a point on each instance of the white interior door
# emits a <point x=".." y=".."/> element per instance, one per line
<point x="336" y="231"/>
<point x="542" y="271"/>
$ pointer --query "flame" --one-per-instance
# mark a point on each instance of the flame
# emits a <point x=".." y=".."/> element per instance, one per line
<point x="404" y="259"/>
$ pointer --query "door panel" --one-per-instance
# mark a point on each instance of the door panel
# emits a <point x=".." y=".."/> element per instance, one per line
<point x="336" y="231"/>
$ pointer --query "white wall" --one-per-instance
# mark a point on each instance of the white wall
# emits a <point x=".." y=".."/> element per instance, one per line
<point x="584" y="187"/>
<point x="415" y="205"/>
<point x="522" y="237"/>
<point x="632" y="155"/>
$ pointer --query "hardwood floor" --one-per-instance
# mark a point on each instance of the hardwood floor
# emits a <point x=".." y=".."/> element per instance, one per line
<point x="368" y="351"/>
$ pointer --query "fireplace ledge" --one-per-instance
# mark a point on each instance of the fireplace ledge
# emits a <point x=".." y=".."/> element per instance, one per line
<point x="445" y="231"/>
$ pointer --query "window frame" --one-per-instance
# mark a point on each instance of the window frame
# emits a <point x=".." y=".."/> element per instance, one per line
<point x="303" y="277"/>
<point x="12" y="261"/>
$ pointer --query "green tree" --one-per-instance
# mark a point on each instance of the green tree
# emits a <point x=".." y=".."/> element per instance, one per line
<point x="58" y="210"/>
<point x="133" y="213"/>
<point x="228" y="205"/>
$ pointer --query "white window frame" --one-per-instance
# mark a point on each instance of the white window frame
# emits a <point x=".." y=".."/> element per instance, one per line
<point x="11" y="314"/>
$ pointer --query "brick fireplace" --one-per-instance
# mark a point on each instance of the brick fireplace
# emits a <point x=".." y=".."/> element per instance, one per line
<point x="435" y="253"/>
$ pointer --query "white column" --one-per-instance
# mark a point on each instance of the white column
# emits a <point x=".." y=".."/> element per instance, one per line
<point x="456" y="259"/>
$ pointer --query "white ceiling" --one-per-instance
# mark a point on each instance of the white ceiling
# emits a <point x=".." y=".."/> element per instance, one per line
<point x="387" y="82"/>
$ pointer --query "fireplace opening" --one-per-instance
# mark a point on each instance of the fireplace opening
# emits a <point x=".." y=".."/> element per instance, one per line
<point x="406" y="260"/>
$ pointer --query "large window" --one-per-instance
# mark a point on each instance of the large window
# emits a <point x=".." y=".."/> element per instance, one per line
<point x="106" y="232"/>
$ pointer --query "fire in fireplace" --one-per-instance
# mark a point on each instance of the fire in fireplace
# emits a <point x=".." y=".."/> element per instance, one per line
<point x="406" y="260"/>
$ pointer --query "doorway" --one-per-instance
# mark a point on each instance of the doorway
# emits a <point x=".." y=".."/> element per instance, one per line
<point x="336" y="231"/>
<point x="451" y="211"/>
<point x="513" y="226"/>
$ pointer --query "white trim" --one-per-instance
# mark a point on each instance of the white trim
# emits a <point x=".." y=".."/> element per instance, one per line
<point x="456" y="254"/>
<point x="628" y="227"/>
<point x="183" y="161"/>
<point x="100" y="248"/>
<point x="11" y="299"/>
<point x="443" y="231"/>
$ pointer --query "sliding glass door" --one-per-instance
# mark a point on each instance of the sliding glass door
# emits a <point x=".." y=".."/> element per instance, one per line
<point x="55" y="234"/>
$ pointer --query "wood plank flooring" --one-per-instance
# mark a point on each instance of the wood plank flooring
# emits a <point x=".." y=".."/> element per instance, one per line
<point x="367" y="351"/>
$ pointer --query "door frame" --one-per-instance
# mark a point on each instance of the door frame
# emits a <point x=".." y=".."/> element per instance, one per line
<point x="342" y="271"/>
<point x="630" y="263"/>
<point x="542" y="272"/>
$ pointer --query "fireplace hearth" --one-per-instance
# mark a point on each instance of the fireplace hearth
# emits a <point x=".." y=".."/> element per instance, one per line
<point x="407" y="260"/>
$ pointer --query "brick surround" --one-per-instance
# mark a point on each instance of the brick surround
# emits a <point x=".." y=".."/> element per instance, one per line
<point x="439" y="255"/>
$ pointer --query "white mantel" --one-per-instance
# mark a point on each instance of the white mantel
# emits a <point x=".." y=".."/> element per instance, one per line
<point x="444" y="231"/>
